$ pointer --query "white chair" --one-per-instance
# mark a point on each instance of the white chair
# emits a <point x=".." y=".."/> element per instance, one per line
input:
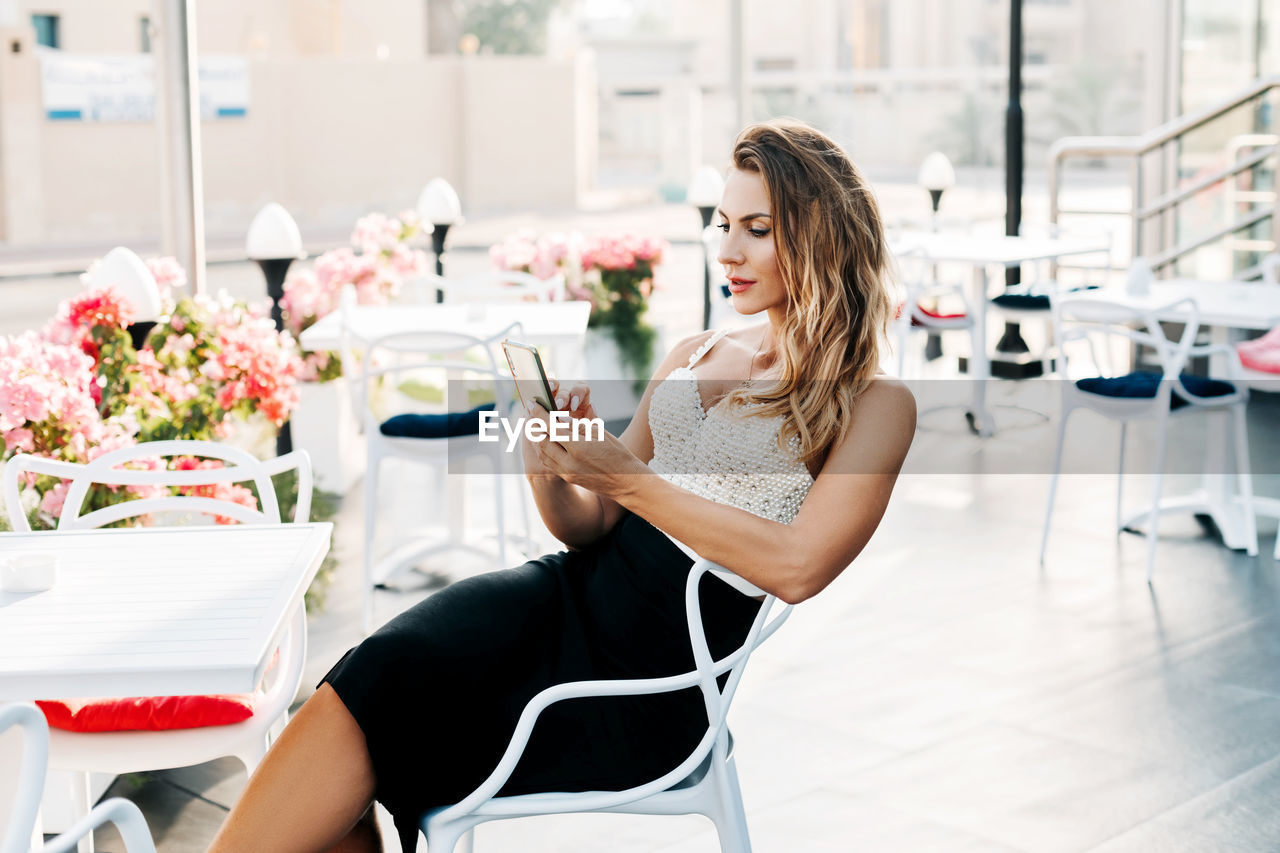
<point x="133" y="751"/>
<point x="452" y="365"/>
<point x="916" y="274"/>
<point x="498" y="286"/>
<point x="1092" y="318"/>
<point x="706" y="782"/>
<point x="21" y="833"/>
<point x="1029" y="302"/>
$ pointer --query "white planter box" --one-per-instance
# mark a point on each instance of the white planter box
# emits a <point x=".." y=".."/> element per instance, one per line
<point x="326" y="428"/>
<point x="612" y="386"/>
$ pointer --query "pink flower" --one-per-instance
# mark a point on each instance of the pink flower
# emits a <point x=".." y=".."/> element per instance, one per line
<point x="169" y="276"/>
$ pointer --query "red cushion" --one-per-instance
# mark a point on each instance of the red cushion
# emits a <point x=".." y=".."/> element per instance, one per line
<point x="150" y="713"/>
<point x="937" y="315"/>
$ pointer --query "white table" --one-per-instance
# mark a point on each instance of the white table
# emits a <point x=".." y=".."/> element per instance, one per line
<point x="982" y="252"/>
<point x="1224" y="305"/>
<point x="559" y="326"/>
<point x="169" y="611"/>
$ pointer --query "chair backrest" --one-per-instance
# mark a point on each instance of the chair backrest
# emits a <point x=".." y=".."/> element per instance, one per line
<point x="35" y="757"/>
<point x="1270" y="265"/>
<point x="1092" y="315"/>
<point x="499" y="286"/>
<point x="238" y="467"/>
<point x="431" y="371"/>
<point x="16" y="832"/>
<point x="714" y="741"/>
<point x="917" y="280"/>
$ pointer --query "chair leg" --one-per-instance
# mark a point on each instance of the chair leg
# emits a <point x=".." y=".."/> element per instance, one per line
<point x="1245" y="479"/>
<point x="731" y="816"/>
<point x="448" y="838"/>
<point x="1053" y="482"/>
<point x="500" y="508"/>
<point x="1153" y="521"/>
<point x="81" y="803"/>
<point x="370" y="518"/>
<point x="1124" y="432"/>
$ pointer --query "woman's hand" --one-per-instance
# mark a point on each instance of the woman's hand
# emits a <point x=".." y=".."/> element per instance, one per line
<point x="576" y="400"/>
<point x="596" y="461"/>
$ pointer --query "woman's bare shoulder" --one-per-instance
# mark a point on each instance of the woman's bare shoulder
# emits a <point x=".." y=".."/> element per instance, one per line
<point x="679" y="355"/>
<point x="876" y="439"/>
<point x="888" y="396"/>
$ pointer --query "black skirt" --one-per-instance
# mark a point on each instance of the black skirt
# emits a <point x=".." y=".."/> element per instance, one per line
<point x="437" y="690"/>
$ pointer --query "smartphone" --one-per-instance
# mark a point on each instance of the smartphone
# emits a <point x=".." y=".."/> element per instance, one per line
<point x="531" y="378"/>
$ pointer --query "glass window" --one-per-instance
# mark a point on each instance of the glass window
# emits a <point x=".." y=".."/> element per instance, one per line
<point x="46" y="30"/>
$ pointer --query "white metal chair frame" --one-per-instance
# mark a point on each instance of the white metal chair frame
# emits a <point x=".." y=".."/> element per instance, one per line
<point x="1048" y="287"/>
<point x="917" y="285"/>
<point x="1087" y="316"/>
<point x="394" y="355"/>
<point x="22" y="832"/>
<point x="704" y="783"/>
<point x="134" y="751"/>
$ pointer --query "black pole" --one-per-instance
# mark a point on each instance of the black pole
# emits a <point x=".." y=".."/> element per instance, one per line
<point x="274" y="271"/>
<point x="437" y="245"/>
<point x="706" y="213"/>
<point x="933" y="343"/>
<point x="1012" y="341"/>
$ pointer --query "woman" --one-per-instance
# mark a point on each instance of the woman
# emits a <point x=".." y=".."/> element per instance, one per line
<point x="782" y="481"/>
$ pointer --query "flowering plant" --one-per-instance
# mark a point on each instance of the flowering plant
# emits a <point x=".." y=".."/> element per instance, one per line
<point x="78" y="388"/>
<point x="614" y="273"/>
<point x="384" y="261"/>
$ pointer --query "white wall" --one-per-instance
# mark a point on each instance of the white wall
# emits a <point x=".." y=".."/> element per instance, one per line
<point x="328" y="138"/>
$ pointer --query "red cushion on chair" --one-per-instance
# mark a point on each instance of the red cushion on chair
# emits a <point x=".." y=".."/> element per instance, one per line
<point x="935" y="315"/>
<point x="150" y="713"/>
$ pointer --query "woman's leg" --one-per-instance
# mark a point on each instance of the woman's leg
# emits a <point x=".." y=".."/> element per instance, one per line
<point x="311" y="789"/>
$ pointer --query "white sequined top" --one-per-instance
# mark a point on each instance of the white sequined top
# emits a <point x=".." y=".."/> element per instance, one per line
<point x="724" y="454"/>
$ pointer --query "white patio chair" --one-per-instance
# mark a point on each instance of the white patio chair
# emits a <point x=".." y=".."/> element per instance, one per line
<point x="497" y="286"/>
<point x="1029" y="302"/>
<point x="21" y="833"/>
<point x="1146" y="396"/>
<point x="916" y="274"/>
<point x="446" y="363"/>
<point x="114" y="753"/>
<point x="705" y="783"/>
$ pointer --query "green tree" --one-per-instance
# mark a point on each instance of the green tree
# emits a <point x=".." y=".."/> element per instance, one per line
<point x="508" y="26"/>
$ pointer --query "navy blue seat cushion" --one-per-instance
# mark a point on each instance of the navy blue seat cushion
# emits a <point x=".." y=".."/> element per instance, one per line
<point x="1030" y="301"/>
<point x="447" y="425"/>
<point x="1144" y="384"/>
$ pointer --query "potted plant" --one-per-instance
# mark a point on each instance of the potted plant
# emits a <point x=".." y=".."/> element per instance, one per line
<point x="615" y="273"/>
<point x="378" y="263"/>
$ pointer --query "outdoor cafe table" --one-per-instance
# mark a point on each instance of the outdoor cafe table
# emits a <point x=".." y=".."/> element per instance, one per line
<point x="559" y="326"/>
<point x="981" y="252"/>
<point x="166" y="611"/>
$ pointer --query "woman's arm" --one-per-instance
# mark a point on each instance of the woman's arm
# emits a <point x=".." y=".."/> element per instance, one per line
<point x="792" y="561"/>
<point x="575" y="515"/>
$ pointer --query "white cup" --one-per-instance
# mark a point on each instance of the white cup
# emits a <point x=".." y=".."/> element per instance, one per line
<point x="33" y="571"/>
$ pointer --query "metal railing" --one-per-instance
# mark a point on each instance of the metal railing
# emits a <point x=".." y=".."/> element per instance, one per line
<point x="1262" y="150"/>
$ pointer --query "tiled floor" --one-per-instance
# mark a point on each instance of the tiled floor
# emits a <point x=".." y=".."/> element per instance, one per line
<point x="949" y="694"/>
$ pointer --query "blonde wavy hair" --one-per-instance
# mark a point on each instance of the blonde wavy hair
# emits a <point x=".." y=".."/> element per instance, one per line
<point x="836" y="268"/>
